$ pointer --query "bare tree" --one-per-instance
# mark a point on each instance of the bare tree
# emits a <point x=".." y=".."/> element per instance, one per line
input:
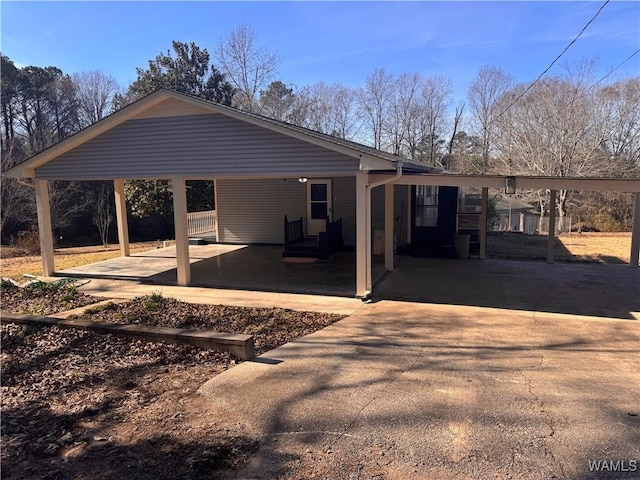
<point x="17" y="199"/>
<point x="457" y="119"/>
<point x="103" y="213"/>
<point x="555" y="130"/>
<point x="400" y="129"/>
<point x="247" y="67"/>
<point x="330" y="109"/>
<point x="436" y="95"/>
<point x="484" y="92"/>
<point x="621" y="106"/>
<point x="374" y="100"/>
<point x="346" y="123"/>
<point x="94" y="92"/>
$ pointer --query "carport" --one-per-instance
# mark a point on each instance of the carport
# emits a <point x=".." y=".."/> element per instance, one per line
<point x="238" y="267"/>
<point x="257" y="162"/>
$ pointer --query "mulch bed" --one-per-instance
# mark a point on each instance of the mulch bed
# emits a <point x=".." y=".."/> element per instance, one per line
<point x="43" y="300"/>
<point x="77" y="404"/>
<point x="270" y="327"/>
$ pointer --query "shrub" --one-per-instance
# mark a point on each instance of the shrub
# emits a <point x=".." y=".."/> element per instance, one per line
<point x="28" y="240"/>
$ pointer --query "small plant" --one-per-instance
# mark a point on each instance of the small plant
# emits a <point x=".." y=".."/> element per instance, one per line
<point x="69" y="285"/>
<point x="156" y="296"/>
<point x="153" y="301"/>
<point x="7" y="283"/>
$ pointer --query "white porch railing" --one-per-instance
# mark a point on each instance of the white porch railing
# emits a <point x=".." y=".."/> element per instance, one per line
<point x="201" y="222"/>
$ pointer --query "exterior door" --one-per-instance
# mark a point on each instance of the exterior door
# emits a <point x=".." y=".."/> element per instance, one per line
<point x="318" y="205"/>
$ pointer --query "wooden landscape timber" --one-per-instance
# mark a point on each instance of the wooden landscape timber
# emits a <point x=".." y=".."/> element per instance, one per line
<point x="238" y="345"/>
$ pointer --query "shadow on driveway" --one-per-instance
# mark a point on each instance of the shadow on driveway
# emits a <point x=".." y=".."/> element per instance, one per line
<point x="570" y="288"/>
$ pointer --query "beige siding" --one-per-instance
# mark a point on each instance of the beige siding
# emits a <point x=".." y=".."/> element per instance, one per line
<point x="195" y="146"/>
<point x="252" y="211"/>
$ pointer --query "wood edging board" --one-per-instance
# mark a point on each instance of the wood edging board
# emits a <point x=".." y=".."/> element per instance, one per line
<point x="238" y="345"/>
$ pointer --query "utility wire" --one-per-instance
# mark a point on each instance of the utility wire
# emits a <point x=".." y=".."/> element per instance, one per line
<point x="619" y="65"/>
<point x="555" y="60"/>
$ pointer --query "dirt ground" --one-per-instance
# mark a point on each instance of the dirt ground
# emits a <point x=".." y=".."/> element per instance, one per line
<point x="88" y="406"/>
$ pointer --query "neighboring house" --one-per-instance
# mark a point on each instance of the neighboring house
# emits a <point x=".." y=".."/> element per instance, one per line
<point x="264" y="170"/>
<point x="515" y="215"/>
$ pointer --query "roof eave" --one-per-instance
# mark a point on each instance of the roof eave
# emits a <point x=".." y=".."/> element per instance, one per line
<point x="27" y="168"/>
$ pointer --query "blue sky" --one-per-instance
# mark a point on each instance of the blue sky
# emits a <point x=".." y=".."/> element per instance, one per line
<point x="334" y="42"/>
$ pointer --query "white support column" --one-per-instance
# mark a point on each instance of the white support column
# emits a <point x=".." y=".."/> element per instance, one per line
<point x="483" y="222"/>
<point x="182" y="237"/>
<point x="388" y="226"/>
<point x="216" y="207"/>
<point x="634" y="257"/>
<point x="121" y="217"/>
<point x="45" y="230"/>
<point x="361" y="234"/>
<point x="552" y="226"/>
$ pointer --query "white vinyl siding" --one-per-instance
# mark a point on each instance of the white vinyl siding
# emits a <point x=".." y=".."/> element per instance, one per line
<point x="252" y="211"/>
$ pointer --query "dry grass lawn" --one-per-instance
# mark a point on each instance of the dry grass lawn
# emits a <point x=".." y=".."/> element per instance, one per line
<point x="14" y="263"/>
<point x="577" y="247"/>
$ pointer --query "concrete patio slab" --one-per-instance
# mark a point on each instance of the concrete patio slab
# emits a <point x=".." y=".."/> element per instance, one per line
<point x="436" y="391"/>
<point x="255" y="267"/>
<point x="148" y="264"/>
<point x="589" y="289"/>
<point x="217" y="296"/>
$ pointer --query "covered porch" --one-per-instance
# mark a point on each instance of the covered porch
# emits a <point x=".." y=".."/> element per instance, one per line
<point x="586" y="290"/>
<point x="240" y="267"/>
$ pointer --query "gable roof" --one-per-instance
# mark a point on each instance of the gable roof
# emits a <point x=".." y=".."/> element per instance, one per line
<point x="504" y="203"/>
<point x="371" y="158"/>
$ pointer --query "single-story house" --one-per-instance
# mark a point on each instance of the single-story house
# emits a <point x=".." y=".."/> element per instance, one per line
<point x="264" y="170"/>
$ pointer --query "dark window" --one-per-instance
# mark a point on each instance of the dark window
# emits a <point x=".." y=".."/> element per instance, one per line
<point x="318" y="192"/>
<point x="426" y="213"/>
<point x="319" y="211"/>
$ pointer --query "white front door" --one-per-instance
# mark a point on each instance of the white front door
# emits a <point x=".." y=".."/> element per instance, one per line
<point x="318" y="205"/>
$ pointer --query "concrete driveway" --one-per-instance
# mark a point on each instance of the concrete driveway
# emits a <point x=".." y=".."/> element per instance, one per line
<point x="443" y="392"/>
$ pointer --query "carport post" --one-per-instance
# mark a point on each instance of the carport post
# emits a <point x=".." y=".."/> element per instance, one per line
<point x="45" y="230"/>
<point x="121" y="217"/>
<point x="182" y="235"/>
<point x="634" y="257"/>
<point x="552" y="225"/>
<point x="216" y="209"/>
<point x="361" y="234"/>
<point x="483" y="222"/>
<point x="388" y="226"/>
